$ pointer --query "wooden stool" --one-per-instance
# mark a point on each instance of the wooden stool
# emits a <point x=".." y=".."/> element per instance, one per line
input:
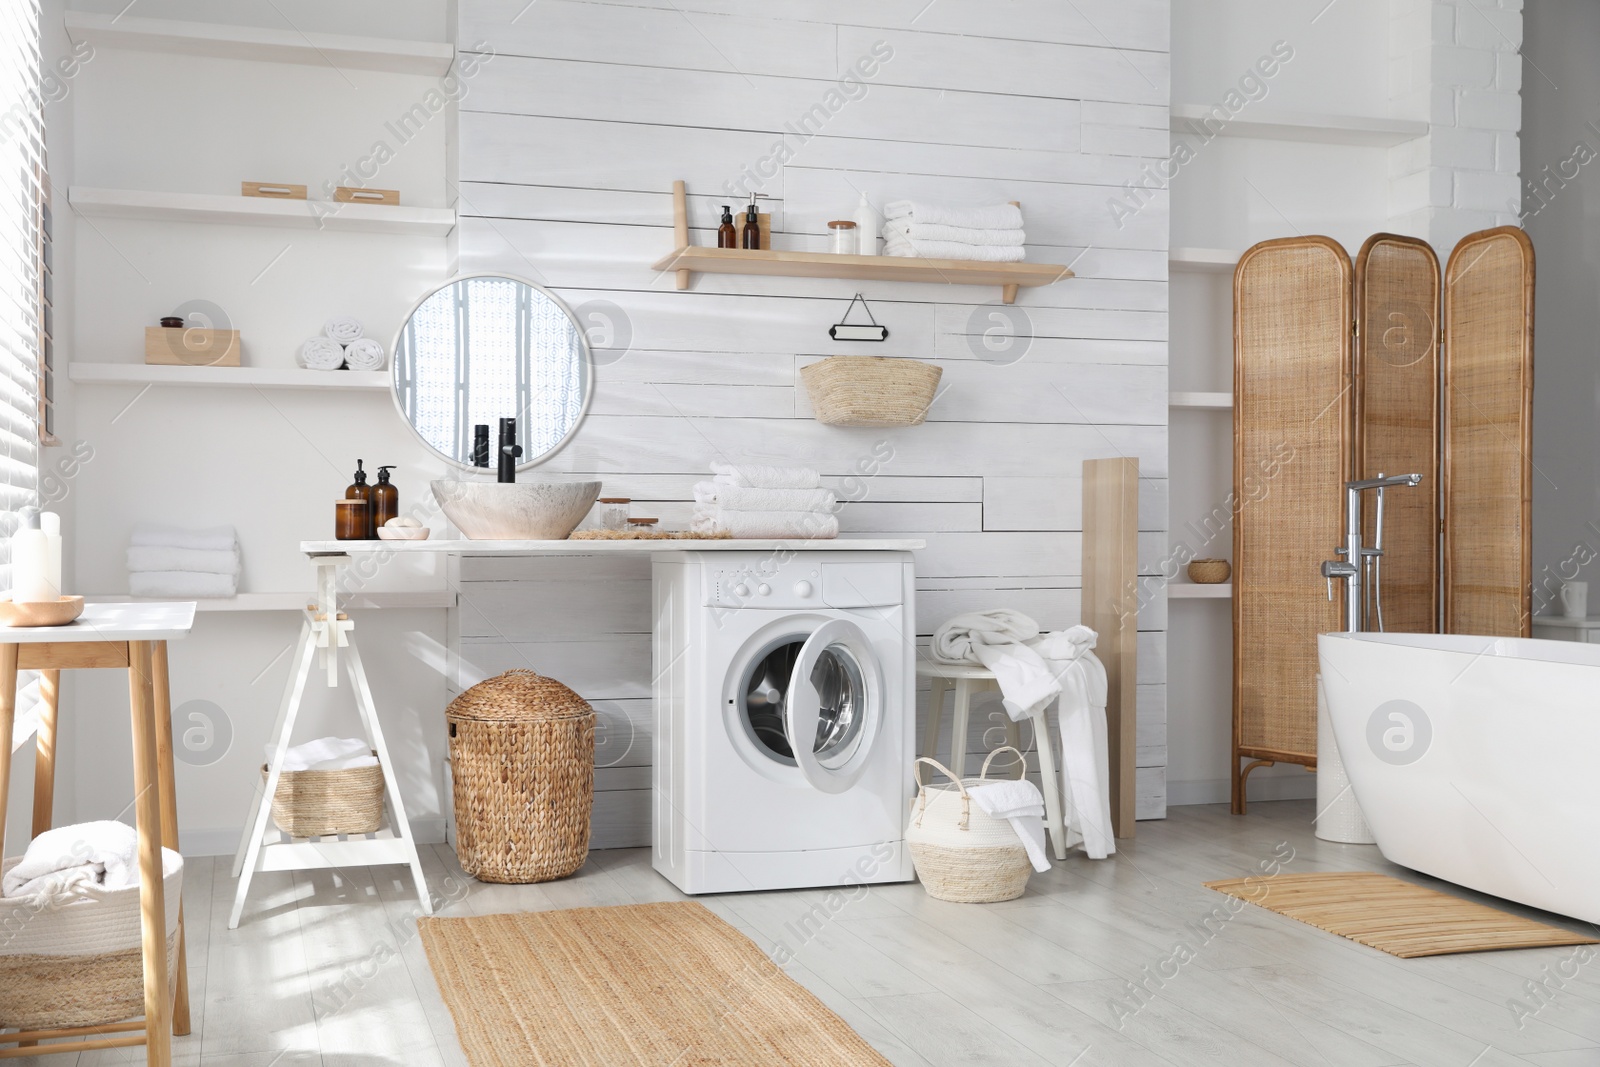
<point x="967" y="680"/>
<point x="132" y="637"/>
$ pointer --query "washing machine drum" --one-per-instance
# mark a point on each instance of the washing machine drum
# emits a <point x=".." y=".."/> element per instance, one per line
<point x="821" y="689"/>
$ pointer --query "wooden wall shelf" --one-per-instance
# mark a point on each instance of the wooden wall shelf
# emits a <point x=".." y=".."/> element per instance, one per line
<point x="690" y="259"/>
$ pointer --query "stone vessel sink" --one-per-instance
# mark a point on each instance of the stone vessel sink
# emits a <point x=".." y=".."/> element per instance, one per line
<point x="515" y="511"/>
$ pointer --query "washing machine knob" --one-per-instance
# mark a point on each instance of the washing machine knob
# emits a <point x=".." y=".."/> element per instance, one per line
<point x="741" y="590"/>
<point x="764" y="589"/>
<point x="802" y="589"/>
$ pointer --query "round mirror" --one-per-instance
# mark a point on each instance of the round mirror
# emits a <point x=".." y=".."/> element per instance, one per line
<point x="485" y="347"/>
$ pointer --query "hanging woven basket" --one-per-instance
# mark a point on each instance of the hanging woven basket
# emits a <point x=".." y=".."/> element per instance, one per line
<point x="870" y="390"/>
<point x="522" y="770"/>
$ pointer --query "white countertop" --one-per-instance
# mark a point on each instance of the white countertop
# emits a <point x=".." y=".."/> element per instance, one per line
<point x="1565" y="622"/>
<point x="166" y="621"/>
<point x="586" y="547"/>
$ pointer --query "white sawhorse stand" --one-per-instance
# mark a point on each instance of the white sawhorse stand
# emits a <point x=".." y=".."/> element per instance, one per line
<point x="325" y="632"/>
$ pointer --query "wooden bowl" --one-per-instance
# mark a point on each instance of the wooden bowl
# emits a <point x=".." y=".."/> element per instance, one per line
<point x="403" y="533"/>
<point x="41" y="613"/>
<point x="1209" y="571"/>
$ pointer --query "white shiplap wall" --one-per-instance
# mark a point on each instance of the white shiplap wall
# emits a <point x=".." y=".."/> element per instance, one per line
<point x="568" y="143"/>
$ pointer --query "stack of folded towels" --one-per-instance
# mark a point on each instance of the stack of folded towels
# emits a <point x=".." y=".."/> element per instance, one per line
<point x="758" y="501"/>
<point x="326" y="754"/>
<point x="169" y="561"/>
<point x="933" y="231"/>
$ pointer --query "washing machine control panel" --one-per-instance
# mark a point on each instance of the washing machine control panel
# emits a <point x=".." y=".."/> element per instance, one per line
<point x="804" y="583"/>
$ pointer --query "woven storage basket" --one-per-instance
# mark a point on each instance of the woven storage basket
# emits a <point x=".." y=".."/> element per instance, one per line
<point x="870" y="390"/>
<point x="79" y="961"/>
<point x="961" y="852"/>
<point x="1209" y="571"/>
<point x="522" y="767"/>
<point x="325" y="803"/>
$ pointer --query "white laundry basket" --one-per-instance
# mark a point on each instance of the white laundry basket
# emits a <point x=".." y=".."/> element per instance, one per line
<point x="961" y="852"/>
<point x="78" y="960"/>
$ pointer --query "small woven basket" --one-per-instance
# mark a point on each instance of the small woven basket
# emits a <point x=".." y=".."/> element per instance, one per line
<point x="870" y="390"/>
<point x="77" y="960"/>
<point x="961" y="852"/>
<point x="522" y="768"/>
<point x="325" y="803"/>
<point x="1209" y="571"/>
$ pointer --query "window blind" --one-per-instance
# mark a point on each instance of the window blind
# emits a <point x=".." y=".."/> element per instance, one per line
<point x="24" y="236"/>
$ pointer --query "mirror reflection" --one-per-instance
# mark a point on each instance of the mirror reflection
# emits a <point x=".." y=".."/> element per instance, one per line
<point x="487" y="347"/>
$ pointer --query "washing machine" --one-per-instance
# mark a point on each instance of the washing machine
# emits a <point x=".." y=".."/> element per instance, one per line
<point x="784" y="718"/>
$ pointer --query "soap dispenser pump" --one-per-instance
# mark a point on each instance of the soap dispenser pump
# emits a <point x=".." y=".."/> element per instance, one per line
<point x="509" y="450"/>
<point x="385" y="499"/>
<point x="360" y="490"/>
<point x="727" y="236"/>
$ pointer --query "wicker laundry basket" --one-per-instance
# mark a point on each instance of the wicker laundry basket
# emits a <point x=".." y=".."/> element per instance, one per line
<point x="961" y="852"/>
<point x="870" y="390"/>
<point x="78" y="961"/>
<point x="325" y="803"/>
<point x="522" y="772"/>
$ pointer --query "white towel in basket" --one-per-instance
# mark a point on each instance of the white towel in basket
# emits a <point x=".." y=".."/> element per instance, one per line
<point x="1019" y="802"/>
<point x="327" y="754"/>
<point x="89" y="853"/>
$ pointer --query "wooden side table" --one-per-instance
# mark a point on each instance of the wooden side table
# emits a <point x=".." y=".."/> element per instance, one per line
<point x="132" y="637"/>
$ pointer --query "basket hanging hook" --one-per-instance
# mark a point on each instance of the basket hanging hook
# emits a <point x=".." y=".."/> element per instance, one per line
<point x="844" y="330"/>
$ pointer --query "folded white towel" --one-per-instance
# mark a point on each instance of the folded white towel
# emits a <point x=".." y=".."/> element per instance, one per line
<point x="322" y="353"/>
<point x="182" y="584"/>
<point x="757" y="476"/>
<point x="163" y="558"/>
<point x="205" y="539"/>
<point x="327" y="754"/>
<point x="342" y="328"/>
<point x="907" y="249"/>
<point x="1020" y="803"/>
<point x="364" y="354"/>
<point x="91" y="853"/>
<point x="739" y="498"/>
<point x="907" y="229"/>
<point x="990" y="217"/>
<point x="798" y="524"/>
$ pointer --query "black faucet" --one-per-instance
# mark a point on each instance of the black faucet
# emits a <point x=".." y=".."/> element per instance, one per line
<point x="509" y="450"/>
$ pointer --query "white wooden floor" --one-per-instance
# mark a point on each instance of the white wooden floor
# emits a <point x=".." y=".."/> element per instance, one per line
<point x="326" y="969"/>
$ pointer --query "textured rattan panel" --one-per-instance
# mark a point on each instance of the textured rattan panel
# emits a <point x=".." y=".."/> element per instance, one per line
<point x="1488" y="414"/>
<point x="1397" y="422"/>
<point x="1292" y="413"/>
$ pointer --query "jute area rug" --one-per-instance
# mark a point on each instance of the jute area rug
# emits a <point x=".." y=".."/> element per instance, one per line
<point x="1398" y="917"/>
<point x="663" y="985"/>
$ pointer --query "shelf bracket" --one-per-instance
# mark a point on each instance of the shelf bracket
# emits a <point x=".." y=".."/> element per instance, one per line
<point x="680" y="225"/>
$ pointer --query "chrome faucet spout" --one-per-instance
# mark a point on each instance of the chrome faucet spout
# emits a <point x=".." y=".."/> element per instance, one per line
<point x="1384" y="482"/>
<point x="1353" y="569"/>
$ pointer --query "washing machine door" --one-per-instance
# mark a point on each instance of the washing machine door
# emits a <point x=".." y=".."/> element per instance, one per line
<point x="835" y="701"/>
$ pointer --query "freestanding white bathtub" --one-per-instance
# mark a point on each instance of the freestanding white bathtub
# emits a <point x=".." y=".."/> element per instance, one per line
<point x="1476" y="759"/>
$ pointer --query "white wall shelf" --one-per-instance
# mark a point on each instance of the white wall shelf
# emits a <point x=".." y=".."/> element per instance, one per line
<point x="260" y="211"/>
<point x="257" y="43"/>
<point x="1205" y="401"/>
<point x="258" y="377"/>
<point x="1196" y="591"/>
<point x="442" y="598"/>
<point x="1300" y="126"/>
<point x="1202" y="260"/>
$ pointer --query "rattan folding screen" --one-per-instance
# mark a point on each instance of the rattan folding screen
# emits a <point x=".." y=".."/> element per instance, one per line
<point x="1340" y="369"/>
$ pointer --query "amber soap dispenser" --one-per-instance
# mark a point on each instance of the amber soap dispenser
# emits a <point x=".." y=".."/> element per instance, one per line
<point x="360" y="490"/>
<point x="727" y="236"/>
<point x="385" y="499"/>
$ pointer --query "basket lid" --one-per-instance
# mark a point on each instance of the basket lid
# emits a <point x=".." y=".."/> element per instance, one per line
<point x="518" y="696"/>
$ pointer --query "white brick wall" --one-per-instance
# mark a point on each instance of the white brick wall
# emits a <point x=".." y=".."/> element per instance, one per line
<point x="1455" y="64"/>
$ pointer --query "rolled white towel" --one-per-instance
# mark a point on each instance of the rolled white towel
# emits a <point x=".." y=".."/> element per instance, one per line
<point x="990" y="217"/>
<point x="741" y="498"/>
<point x="164" y="558"/>
<point x="207" y="539"/>
<point x="327" y="754"/>
<point x="322" y="353"/>
<point x="342" y="328"/>
<point x="897" y="245"/>
<point x="909" y="229"/>
<point x="182" y="584"/>
<point x="758" y="476"/>
<point x="808" y="525"/>
<point x="364" y="354"/>
<point x="102" y="853"/>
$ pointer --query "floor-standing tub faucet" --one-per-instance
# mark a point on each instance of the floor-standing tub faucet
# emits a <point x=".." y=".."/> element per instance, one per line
<point x="1360" y="567"/>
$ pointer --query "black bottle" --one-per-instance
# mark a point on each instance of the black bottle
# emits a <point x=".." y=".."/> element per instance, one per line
<point x="750" y="233"/>
<point x="727" y="237"/>
<point x="480" y="445"/>
<point x="509" y="450"/>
